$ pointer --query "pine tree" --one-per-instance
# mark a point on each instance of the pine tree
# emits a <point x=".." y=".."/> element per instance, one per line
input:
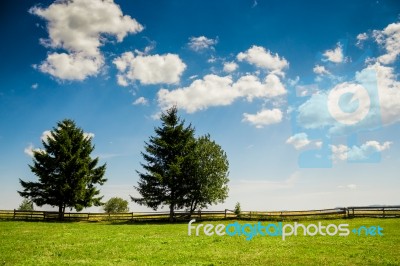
<point x="26" y="205"/>
<point x="166" y="154"/>
<point x="67" y="174"/>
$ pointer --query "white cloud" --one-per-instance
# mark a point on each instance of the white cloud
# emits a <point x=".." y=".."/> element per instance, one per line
<point x="263" y="118"/>
<point x="80" y="27"/>
<point x="301" y="141"/>
<point x="230" y="67"/>
<point x="30" y="150"/>
<point x="35" y="86"/>
<point x="250" y="87"/>
<point x="45" y="135"/>
<point x="88" y="135"/>
<point x="140" y="101"/>
<point x="361" y="38"/>
<point x="149" y="69"/>
<point x="214" y="90"/>
<point x="321" y="70"/>
<point x="342" y="152"/>
<point x="383" y="79"/>
<point x="306" y="90"/>
<point x="335" y="55"/>
<point x="263" y="58"/>
<point x="201" y="43"/>
<point x="74" y="66"/>
<point x="389" y="38"/>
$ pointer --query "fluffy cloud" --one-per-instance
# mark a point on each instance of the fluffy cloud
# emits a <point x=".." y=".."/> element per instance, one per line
<point x="45" y="135"/>
<point x="214" y="90"/>
<point x="357" y="153"/>
<point x="75" y="66"/>
<point x="80" y="27"/>
<point x="149" y="69"/>
<point x="263" y="58"/>
<point x="263" y="118"/>
<point x="335" y="55"/>
<point x="250" y="87"/>
<point x="389" y="38"/>
<point x="388" y="88"/>
<point x="230" y="67"/>
<point x="31" y="149"/>
<point x="361" y="38"/>
<point x="300" y="141"/>
<point x="201" y="43"/>
<point x="140" y="101"/>
<point x="321" y="70"/>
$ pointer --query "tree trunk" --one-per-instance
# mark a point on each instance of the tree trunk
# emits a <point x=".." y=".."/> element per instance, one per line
<point x="193" y="207"/>
<point x="171" y="212"/>
<point x="60" y="212"/>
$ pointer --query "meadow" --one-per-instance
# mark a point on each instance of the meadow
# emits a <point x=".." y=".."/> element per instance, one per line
<point x="111" y="243"/>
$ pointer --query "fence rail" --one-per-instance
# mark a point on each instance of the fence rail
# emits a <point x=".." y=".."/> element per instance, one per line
<point x="349" y="212"/>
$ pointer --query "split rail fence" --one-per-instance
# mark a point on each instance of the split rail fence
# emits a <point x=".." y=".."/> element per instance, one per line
<point x="349" y="212"/>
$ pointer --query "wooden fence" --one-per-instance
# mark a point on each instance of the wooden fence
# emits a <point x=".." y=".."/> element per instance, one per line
<point x="349" y="212"/>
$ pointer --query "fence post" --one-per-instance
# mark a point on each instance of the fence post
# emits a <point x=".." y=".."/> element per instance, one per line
<point x="225" y="213"/>
<point x="383" y="210"/>
<point x="14" y="214"/>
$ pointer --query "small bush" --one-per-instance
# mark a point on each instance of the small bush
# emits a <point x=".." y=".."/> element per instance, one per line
<point x="115" y="205"/>
<point x="237" y="210"/>
<point x="26" y="205"/>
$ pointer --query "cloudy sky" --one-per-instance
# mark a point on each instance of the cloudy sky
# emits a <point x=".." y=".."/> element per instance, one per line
<point x="304" y="96"/>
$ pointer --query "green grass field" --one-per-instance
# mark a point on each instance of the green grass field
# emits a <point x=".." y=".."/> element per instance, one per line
<point x="101" y="243"/>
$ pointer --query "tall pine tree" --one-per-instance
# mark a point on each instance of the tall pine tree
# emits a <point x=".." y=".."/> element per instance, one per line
<point x="67" y="174"/>
<point x="166" y="155"/>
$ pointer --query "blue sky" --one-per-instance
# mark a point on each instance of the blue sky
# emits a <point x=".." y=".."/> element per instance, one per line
<point x="303" y="96"/>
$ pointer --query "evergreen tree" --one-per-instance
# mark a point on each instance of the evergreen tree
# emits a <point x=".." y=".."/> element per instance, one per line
<point x="26" y="205"/>
<point x="67" y="174"/>
<point x="165" y="156"/>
